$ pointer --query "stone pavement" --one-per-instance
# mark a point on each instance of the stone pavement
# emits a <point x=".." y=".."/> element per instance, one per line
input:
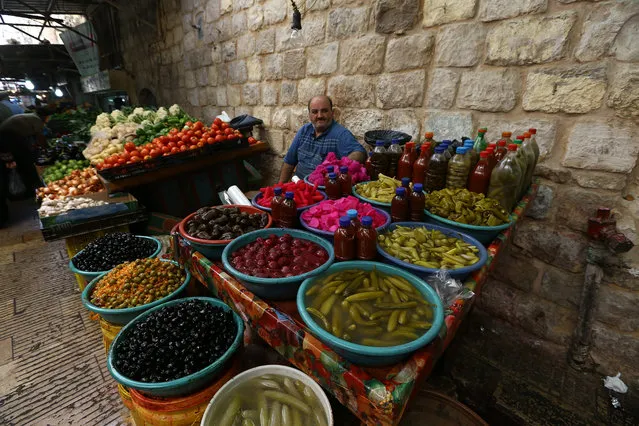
<point x="52" y="361"/>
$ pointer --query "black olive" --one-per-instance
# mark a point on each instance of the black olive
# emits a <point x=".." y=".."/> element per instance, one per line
<point x="111" y="250"/>
<point x="227" y="236"/>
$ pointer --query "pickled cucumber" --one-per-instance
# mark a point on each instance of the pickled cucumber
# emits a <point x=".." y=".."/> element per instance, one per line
<point x="467" y="207"/>
<point x="381" y="190"/>
<point x="428" y="248"/>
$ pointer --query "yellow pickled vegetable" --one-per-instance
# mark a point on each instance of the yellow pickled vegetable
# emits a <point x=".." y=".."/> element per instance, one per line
<point x="464" y="206"/>
<point x="381" y="190"/>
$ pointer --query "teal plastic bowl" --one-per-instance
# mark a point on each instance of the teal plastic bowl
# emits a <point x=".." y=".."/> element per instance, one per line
<point x="371" y="356"/>
<point x="423" y="272"/>
<point x="483" y="234"/>
<point x="378" y="204"/>
<point x="328" y="236"/>
<point x="184" y="385"/>
<point x="89" y="276"/>
<point x="125" y="315"/>
<point x="275" y="288"/>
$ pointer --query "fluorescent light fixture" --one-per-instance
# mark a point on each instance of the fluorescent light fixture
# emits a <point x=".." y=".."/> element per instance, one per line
<point x="29" y="85"/>
<point x="58" y="92"/>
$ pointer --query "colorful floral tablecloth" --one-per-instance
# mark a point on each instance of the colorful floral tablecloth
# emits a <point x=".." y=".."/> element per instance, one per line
<point x="377" y="396"/>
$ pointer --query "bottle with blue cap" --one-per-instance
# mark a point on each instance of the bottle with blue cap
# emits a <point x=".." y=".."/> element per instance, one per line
<point x="449" y="151"/>
<point x="288" y="211"/>
<point x="344" y="240"/>
<point x="437" y="169"/>
<point x="406" y="185"/>
<point x="276" y="204"/>
<point x="399" y="206"/>
<point x="329" y="170"/>
<point x="417" y="203"/>
<point x="379" y="160"/>
<point x="366" y="240"/>
<point x="394" y="153"/>
<point x="345" y="181"/>
<point x="353" y="216"/>
<point x="458" y="169"/>
<point x="332" y="187"/>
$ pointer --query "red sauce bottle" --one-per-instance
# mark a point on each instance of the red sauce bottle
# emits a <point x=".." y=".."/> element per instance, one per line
<point x="345" y="181"/>
<point x="492" y="162"/>
<point x="399" y="206"/>
<point x="421" y="164"/>
<point x="501" y="150"/>
<point x="417" y="203"/>
<point x="276" y="204"/>
<point x="406" y="186"/>
<point x="413" y="153"/>
<point x="366" y="240"/>
<point x="327" y="171"/>
<point x="333" y="188"/>
<point x="352" y="215"/>
<point x="288" y="211"/>
<point x="405" y="165"/>
<point x="480" y="177"/>
<point x="344" y="240"/>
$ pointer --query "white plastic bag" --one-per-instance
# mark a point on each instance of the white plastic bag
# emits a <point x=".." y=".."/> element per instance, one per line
<point x="16" y="186"/>
<point x="224" y="117"/>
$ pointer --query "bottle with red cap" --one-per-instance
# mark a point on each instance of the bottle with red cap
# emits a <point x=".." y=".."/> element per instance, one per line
<point x="405" y="164"/>
<point x="501" y="150"/>
<point x="413" y="153"/>
<point x="492" y="161"/>
<point x="505" y="180"/>
<point x="429" y="138"/>
<point x="533" y="142"/>
<point x="480" y="176"/>
<point x="420" y="167"/>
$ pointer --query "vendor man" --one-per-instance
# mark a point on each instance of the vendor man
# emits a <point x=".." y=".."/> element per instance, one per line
<point x="316" y="139"/>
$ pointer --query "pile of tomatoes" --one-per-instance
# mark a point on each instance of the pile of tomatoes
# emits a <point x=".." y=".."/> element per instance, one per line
<point x="192" y="136"/>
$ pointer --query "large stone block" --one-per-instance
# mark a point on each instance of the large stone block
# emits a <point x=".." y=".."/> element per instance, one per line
<point x="265" y="42"/>
<point x="189" y="79"/>
<point x="624" y="93"/>
<point x="264" y="114"/>
<point x="309" y="87"/>
<point x="552" y="173"/>
<point x="448" y="125"/>
<point x="238" y="24"/>
<point x="437" y="12"/>
<point x="516" y="270"/>
<point x="298" y="117"/>
<point x="393" y="16"/>
<point x="600" y="28"/>
<point x="234" y="95"/>
<point x="245" y="46"/>
<point x="531" y="40"/>
<point x="606" y="146"/>
<point x="442" y="88"/>
<point x="270" y="93"/>
<point x="346" y="22"/>
<point x="322" y="59"/>
<point x="617" y="307"/>
<point x="294" y="64"/>
<point x="489" y="90"/>
<point x="561" y="287"/>
<point x="401" y="90"/>
<point x="202" y="76"/>
<point x="574" y="90"/>
<point x="254" y="68"/>
<point x="352" y="91"/>
<point x="238" y="73"/>
<point x="626" y="47"/>
<point x="612" y="348"/>
<point x="226" y="6"/>
<point x="494" y="10"/>
<point x="541" y="204"/>
<point x="254" y="17"/>
<point x="242" y="4"/>
<point x="577" y="205"/>
<point x="460" y="45"/>
<point x="414" y="51"/>
<point x="251" y="93"/>
<point x="360" y="121"/>
<point x="403" y="120"/>
<point x="313" y="33"/>
<point x="275" y="11"/>
<point x="564" y="249"/>
<point x="229" y="52"/>
<point x="281" y="118"/>
<point x="318" y="4"/>
<point x="288" y="92"/>
<point x="222" y="99"/>
<point x="272" y="67"/>
<point x="600" y="180"/>
<point x="193" y="96"/>
<point x="363" y="55"/>
<point x="275" y="138"/>
<point x="546" y="130"/>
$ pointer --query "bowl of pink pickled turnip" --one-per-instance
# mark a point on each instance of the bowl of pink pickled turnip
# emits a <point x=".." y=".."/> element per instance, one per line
<point x="323" y="218"/>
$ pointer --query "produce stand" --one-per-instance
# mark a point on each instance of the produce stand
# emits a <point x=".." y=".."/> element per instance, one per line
<point x="377" y="396"/>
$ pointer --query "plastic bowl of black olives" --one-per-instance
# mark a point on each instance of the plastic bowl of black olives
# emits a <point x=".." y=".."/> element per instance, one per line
<point x="105" y="253"/>
<point x="210" y="229"/>
<point x="176" y="348"/>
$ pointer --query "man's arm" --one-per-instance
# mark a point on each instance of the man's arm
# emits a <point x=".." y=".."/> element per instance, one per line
<point x="286" y="173"/>
<point x="290" y="160"/>
<point x="357" y="156"/>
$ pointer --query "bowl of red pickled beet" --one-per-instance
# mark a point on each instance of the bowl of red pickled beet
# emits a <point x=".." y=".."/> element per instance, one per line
<point x="272" y="263"/>
<point x="306" y="196"/>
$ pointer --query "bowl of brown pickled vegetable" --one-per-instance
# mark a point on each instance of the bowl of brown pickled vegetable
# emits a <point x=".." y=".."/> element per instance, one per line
<point x="269" y="395"/>
<point x="370" y="313"/>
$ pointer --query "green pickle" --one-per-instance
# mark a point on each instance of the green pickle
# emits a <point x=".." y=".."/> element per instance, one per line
<point x="381" y="190"/>
<point x="458" y="169"/>
<point x="390" y="312"/>
<point x="464" y="206"/>
<point x="505" y="180"/>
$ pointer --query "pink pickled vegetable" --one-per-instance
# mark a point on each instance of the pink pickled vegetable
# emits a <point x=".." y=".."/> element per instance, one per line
<point x="325" y="215"/>
<point x="355" y="169"/>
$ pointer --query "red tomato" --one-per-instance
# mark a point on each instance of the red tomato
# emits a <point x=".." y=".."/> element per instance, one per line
<point x="215" y="128"/>
<point x="135" y="159"/>
<point x="217" y="121"/>
<point x="166" y="150"/>
<point x="174" y="138"/>
<point x="189" y="133"/>
<point x="194" y="140"/>
<point x="147" y="158"/>
<point x="185" y="138"/>
<point x="183" y="148"/>
<point x="198" y="125"/>
<point x="197" y="133"/>
<point x="200" y="144"/>
<point x="180" y="134"/>
<point x="189" y="124"/>
<point x="224" y="126"/>
<point x="179" y="144"/>
<point x="156" y="141"/>
<point x="173" y="131"/>
<point x="175" y="150"/>
<point x="155" y="153"/>
<point x="251" y="140"/>
<point x="135" y="153"/>
<point x="219" y="138"/>
<point x="129" y="146"/>
<point x="121" y="162"/>
<point x="228" y="131"/>
<point x="232" y="137"/>
<point x="210" y="141"/>
<point x="164" y="139"/>
<point x="206" y="135"/>
<point x="171" y="144"/>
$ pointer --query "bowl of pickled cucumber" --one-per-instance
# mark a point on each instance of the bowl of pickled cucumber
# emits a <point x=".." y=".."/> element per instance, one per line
<point x="474" y="214"/>
<point x="425" y="249"/>
<point x="370" y="313"/>
<point x="269" y="395"/>
<point x="379" y="192"/>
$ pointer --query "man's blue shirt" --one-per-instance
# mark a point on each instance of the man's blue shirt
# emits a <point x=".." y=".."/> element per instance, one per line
<point x="308" y="151"/>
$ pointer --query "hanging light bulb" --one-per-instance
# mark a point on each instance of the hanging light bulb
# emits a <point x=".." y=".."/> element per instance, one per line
<point x="296" y="25"/>
<point x="29" y="85"/>
<point x="58" y="92"/>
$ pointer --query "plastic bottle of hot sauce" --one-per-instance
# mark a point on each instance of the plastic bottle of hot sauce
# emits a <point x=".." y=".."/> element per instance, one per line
<point x="288" y="211"/>
<point x="406" y="186"/>
<point x="416" y="203"/>
<point x="405" y="165"/>
<point x="329" y="170"/>
<point x="344" y="240"/>
<point x="352" y="215"/>
<point x="333" y="188"/>
<point x="421" y="164"/>
<point x="399" y="206"/>
<point x="345" y="181"/>
<point x="492" y="162"/>
<point x="480" y="177"/>
<point x="413" y="153"/>
<point x="276" y="204"/>
<point x="366" y="240"/>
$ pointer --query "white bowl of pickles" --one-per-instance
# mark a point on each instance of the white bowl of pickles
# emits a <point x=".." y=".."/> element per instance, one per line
<point x="272" y="395"/>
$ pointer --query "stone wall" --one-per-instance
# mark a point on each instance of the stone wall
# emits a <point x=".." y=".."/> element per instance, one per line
<point x="569" y="68"/>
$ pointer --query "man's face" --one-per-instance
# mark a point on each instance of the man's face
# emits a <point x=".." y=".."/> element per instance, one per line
<point x="320" y="114"/>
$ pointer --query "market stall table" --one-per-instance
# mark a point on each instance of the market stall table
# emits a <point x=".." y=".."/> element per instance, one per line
<point x="377" y="396"/>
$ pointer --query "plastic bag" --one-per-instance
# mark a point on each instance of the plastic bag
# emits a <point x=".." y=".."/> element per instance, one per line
<point x="224" y="117"/>
<point x="448" y="288"/>
<point x="16" y="187"/>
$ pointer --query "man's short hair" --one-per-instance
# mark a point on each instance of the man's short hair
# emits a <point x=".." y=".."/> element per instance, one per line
<point x="330" y="101"/>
